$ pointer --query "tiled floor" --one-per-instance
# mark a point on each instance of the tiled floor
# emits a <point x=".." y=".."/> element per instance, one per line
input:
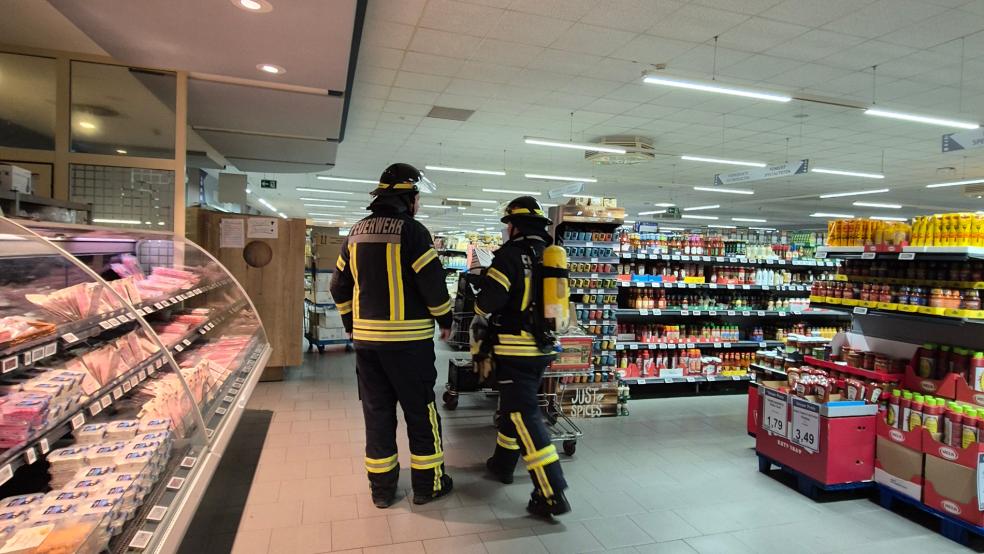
<point x="677" y="476"/>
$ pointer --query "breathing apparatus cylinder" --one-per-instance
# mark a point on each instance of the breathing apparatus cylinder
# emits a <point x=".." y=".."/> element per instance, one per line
<point x="556" y="294"/>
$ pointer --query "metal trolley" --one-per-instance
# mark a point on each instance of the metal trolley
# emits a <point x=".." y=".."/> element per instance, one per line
<point x="462" y="376"/>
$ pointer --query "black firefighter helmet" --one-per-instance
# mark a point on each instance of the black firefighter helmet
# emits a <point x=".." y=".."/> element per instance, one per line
<point x="401" y="178"/>
<point x="525" y="209"/>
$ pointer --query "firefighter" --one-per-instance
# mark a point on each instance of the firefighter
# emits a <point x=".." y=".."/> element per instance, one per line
<point x="389" y="287"/>
<point x="509" y="301"/>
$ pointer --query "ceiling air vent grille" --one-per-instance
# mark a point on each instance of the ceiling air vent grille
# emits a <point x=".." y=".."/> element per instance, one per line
<point x="454" y="114"/>
<point x="638" y="150"/>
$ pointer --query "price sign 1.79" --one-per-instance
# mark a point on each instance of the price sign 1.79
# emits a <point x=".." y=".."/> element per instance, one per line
<point x="805" y="425"/>
<point x="774" y="411"/>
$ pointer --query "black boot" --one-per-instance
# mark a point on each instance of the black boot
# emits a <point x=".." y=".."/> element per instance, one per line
<point x="546" y="507"/>
<point x="506" y="478"/>
<point x="446" y="485"/>
<point x="383" y="499"/>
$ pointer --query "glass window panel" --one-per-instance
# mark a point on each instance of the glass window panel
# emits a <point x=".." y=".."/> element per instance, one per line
<point x="122" y="111"/>
<point x="27" y="102"/>
<point x="123" y="196"/>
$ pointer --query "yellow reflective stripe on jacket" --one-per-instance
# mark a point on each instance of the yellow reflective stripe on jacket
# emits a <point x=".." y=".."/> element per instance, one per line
<point x="386" y="325"/>
<point x="526" y="292"/>
<point x="506" y="442"/>
<point x="394" y="279"/>
<point x="381" y="465"/>
<point x="511" y="350"/>
<point x="344" y="307"/>
<point x="522" y="339"/>
<point x="354" y="267"/>
<point x="423" y="260"/>
<point x="340" y="263"/>
<point x="438" y="311"/>
<point x="480" y="311"/>
<point x="391" y="336"/>
<point x="499" y="277"/>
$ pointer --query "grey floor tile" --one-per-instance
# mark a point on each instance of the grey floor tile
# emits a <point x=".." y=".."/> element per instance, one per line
<point x="718" y="544"/>
<point x="564" y="538"/>
<point x="672" y="547"/>
<point x="664" y="526"/>
<point x="617" y="532"/>
<point x="513" y="540"/>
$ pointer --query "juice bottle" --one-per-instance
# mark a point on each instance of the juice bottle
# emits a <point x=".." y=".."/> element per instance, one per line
<point x="916" y="412"/>
<point x="932" y="412"/>
<point x="968" y="433"/>
<point x="952" y="421"/>
<point x="927" y="361"/>
<point x="904" y="405"/>
<point x="892" y="417"/>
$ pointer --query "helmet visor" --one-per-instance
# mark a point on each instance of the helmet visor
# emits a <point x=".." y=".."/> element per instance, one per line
<point x="426" y="185"/>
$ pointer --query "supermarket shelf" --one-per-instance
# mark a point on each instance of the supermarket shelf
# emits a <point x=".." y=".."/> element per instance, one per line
<point x="592" y="275"/>
<point x="319" y="304"/>
<point x="68" y="335"/>
<point x="697" y="379"/>
<point x="673" y="346"/>
<point x="867" y="374"/>
<point x="629" y="313"/>
<point x="711" y="286"/>
<point x="768" y="369"/>
<point x="589" y="243"/>
<point x="906" y="316"/>
<point x="938" y="253"/>
<point x="728" y="260"/>
<point x="928" y="283"/>
<point x="315" y="270"/>
<point x="594" y="291"/>
<point x="182" y="488"/>
<point x="35" y="448"/>
<point x="202" y="329"/>
<point x="597" y="322"/>
<point x="594" y="259"/>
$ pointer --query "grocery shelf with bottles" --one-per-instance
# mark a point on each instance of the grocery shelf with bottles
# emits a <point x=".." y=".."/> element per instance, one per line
<point x="127" y="358"/>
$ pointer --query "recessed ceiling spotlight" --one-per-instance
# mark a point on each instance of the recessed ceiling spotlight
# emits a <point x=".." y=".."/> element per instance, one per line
<point x="120" y="151"/>
<point x="253" y="6"/>
<point x="271" y="68"/>
<point x="87" y="125"/>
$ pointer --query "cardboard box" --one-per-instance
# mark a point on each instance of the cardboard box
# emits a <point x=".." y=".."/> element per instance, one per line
<point x="899" y="468"/>
<point x="322" y="282"/>
<point x="15" y="178"/>
<point x="952" y="488"/>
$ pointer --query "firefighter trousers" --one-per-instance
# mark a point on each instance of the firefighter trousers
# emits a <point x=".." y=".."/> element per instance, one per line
<point x="521" y="427"/>
<point x="406" y="375"/>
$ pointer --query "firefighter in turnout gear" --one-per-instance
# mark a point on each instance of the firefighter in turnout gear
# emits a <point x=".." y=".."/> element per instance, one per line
<point x="522" y="349"/>
<point x="389" y="287"/>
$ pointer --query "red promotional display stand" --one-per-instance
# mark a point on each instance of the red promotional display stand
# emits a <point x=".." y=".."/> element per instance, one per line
<point x="827" y="446"/>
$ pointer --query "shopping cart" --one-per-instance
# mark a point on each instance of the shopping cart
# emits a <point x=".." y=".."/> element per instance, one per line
<point x="463" y="378"/>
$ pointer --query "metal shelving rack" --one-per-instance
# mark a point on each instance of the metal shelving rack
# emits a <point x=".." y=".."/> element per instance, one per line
<point x="312" y="307"/>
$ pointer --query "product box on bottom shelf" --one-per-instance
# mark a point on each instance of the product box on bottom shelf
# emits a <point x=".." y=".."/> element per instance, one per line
<point x="326" y="333"/>
<point x="899" y="468"/>
<point x="952" y="483"/>
<point x="831" y="442"/>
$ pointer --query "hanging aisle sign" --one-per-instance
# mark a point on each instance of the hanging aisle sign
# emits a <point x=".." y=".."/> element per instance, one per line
<point x="787" y="169"/>
<point x="964" y="140"/>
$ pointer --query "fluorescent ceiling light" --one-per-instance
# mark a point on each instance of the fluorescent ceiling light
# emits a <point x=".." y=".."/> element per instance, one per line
<point x="955" y="183"/>
<point x="749" y="219"/>
<point x="716" y="226"/>
<point x="889" y="218"/>
<point x="853" y="193"/>
<point x="847" y="173"/>
<point x="473" y="200"/>
<point x="323" y="191"/>
<point x="326" y="215"/>
<point x="575" y="145"/>
<point x="441" y="206"/>
<point x="308" y="198"/>
<point x="826" y="214"/>
<point x="513" y="191"/>
<point x="282" y="214"/>
<point x="922" y="119"/>
<point x="588" y="196"/>
<point x="267" y="204"/>
<point x="665" y="228"/>
<point x="560" y="178"/>
<point x="663" y="204"/>
<point x="545" y="205"/>
<point x="270" y="68"/>
<point x="119" y="221"/>
<point x="463" y="170"/>
<point x="653" y="212"/>
<point x="764" y="228"/>
<point x="722" y="161"/>
<point x="121" y="151"/>
<point x="325" y="206"/>
<point x="879" y="205"/>
<point x="707" y="207"/>
<point x="628" y="221"/>
<point x="421" y="216"/>
<point x="489" y="210"/>
<point x="686" y="216"/>
<point x="346" y="179"/>
<point x="87" y="125"/>
<point x="707" y="87"/>
<point x="725" y="191"/>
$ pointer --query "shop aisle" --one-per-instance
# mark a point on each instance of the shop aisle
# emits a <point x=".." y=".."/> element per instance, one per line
<point x="678" y="475"/>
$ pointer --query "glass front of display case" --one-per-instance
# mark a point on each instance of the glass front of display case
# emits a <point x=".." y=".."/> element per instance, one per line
<point x="125" y="354"/>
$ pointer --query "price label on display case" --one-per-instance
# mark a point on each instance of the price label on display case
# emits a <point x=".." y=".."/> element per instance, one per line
<point x="860" y="310"/>
<point x="805" y="425"/>
<point x="867" y="255"/>
<point x="907" y="256"/>
<point x="774" y="410"/>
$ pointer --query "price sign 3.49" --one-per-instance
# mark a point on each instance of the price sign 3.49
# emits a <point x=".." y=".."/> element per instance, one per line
<point x="805" y="425"/>
<point x="774" y="412"/>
